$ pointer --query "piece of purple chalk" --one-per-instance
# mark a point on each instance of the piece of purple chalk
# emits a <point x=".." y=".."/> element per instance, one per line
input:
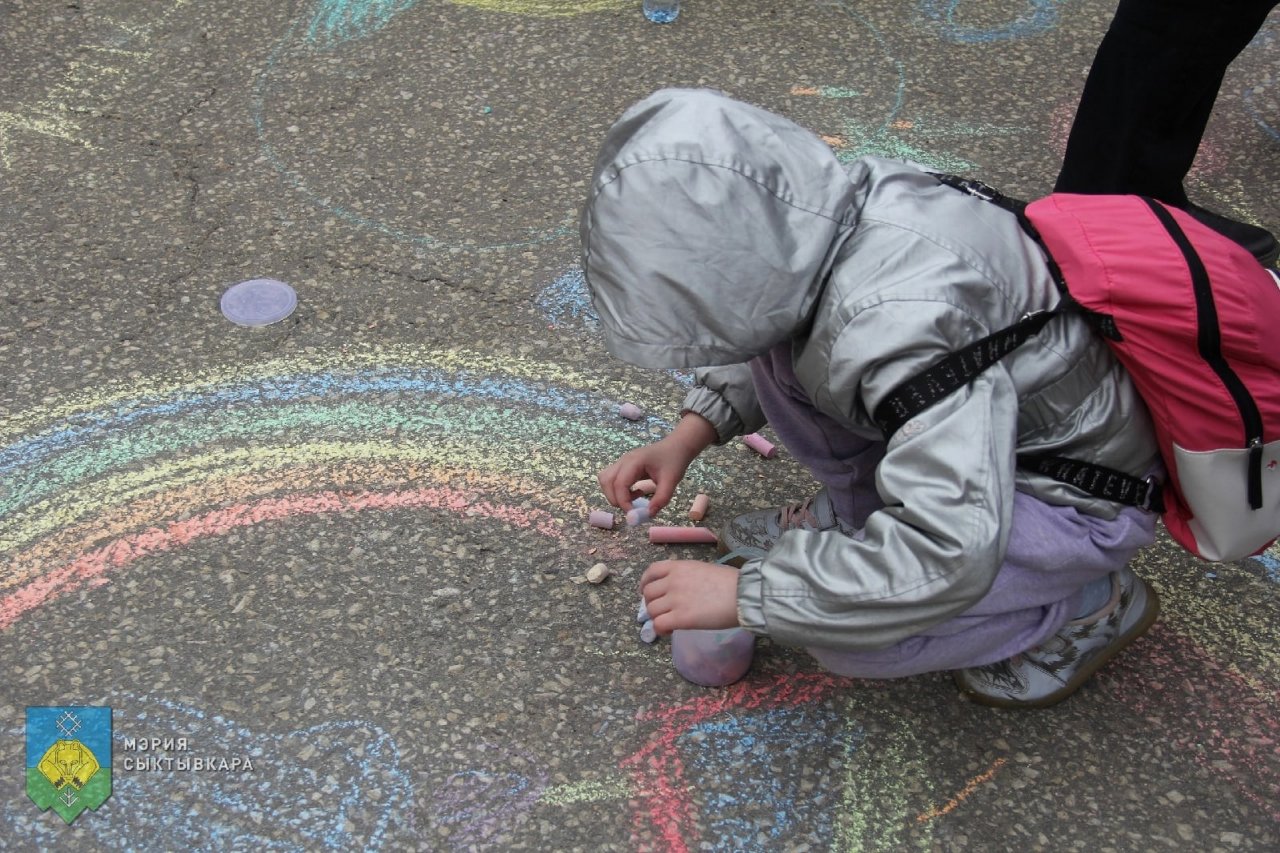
<point x="631" y="411"/>
<point x="601" y="518"/>
<point x="713" y="658"/>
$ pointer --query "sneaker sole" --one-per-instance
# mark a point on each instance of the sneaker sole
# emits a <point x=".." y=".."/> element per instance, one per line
<point x="1149" y="616"/>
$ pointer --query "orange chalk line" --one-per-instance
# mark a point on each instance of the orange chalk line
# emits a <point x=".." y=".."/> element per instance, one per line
<point x="963" y="795"/>
<point x="105" y="523"/>
<point x="44" y="518"/>
<point x="66" y="544"/>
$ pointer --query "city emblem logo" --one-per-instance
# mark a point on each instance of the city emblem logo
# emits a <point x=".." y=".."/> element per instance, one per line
<point x="68" y="758"/>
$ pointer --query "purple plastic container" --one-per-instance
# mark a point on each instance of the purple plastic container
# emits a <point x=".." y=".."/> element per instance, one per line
<point x="713" y="658"/>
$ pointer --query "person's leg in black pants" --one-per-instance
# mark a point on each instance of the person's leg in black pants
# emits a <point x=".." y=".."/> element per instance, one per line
<point x="1147" y="101"/>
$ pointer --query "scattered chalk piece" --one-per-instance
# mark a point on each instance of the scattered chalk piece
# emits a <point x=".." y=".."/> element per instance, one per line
<point x="659" y="535"/>
<point x="598" y="573"/>
<point x="698" y="510"/>
<point x="760" y="445"/>
<point x="639" y="512"/>
<point x="631" y="411"/>
<point x="601" y="518"/>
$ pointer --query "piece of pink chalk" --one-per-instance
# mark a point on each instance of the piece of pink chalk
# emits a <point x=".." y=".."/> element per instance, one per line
<point x="701" y="504"/>
<point x="645" y="487"/>
<point x="760" y="445"/>
<point x="631" y="411"/>
<point x="682" y="535"/>
<point x="601" y="518"/>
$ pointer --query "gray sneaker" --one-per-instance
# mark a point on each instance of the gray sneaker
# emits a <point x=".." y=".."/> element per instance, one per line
<point x="757" y="531"/>
<point x="1052" y="671"/>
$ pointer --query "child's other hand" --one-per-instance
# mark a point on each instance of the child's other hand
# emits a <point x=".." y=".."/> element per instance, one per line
<point x="688" y="594"/>
<point x="664" y="462"/>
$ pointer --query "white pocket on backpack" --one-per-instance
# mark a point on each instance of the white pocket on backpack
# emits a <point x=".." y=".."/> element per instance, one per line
<point x="1214" y="483"/>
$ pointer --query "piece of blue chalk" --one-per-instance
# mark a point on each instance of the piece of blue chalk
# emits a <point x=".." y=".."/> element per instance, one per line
<point x="639" y="512"/>
<point x="642" y="615"/>
<point x="648" y="633"/>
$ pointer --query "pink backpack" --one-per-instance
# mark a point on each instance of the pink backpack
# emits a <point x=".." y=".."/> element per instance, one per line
<point x="1193" y="317"/>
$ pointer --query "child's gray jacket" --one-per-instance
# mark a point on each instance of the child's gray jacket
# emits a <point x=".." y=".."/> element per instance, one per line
<point x="714" y="230"/>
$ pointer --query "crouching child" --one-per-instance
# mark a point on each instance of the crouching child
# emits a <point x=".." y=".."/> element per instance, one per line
<point x="722" y="237"/>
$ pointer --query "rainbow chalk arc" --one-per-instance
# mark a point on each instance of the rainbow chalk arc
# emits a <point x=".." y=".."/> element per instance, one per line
<point x="96" y="481"/>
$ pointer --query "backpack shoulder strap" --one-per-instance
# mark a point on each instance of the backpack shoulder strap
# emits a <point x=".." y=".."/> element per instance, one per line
<point x="956" y="369"/>
<point x="984" y="191"/>
<point x="1098" y="480"/>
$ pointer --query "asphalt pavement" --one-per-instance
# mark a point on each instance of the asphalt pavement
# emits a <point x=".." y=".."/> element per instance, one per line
<point x="326" y="573"/>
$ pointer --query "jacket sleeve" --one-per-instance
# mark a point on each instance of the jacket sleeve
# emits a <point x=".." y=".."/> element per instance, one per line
<point x="726" y="396"/>
<point x="947" y="482"/>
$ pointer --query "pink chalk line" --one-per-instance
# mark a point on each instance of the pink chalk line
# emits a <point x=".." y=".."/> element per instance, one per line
<point x="657" y="769"/>
<point x="92" y="566"/>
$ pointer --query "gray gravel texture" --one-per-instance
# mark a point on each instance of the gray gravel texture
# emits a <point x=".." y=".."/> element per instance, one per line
<point x="344" y="547"/>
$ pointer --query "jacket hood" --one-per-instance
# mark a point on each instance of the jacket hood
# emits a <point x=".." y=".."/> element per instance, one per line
<point x="709" y="229"/>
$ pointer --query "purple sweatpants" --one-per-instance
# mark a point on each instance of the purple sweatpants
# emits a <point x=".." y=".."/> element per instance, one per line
<point x="1054" y="551"/>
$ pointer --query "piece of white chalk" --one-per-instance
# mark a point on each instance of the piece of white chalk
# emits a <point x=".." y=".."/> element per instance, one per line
<point x="760" y="445"/>
<point x="631" y="411"/>
<point x="646" y="487"/>
<point x="601" y="518"/>
<point x="682" y="535"/>
<point x="701" y="504"/>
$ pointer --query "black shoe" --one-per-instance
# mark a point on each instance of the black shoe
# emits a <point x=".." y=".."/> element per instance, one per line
<point x="1260" y="242"/>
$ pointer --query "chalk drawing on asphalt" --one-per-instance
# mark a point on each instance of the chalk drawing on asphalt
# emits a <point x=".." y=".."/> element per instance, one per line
<point x="918" y="140"/>
<point x="86" y="88"/>
<point x="347" y="32"/>
<point x="1036" y="17"/>
<point x="99" y="480"/>
<point x="334" y="786"/>
<point x="1262" y="97"/>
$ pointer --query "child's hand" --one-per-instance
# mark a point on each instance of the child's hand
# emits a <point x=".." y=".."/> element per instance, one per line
<point x="682" y="594"/>
<point x="664" y="462"/>
<point x="659" y="462"/>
